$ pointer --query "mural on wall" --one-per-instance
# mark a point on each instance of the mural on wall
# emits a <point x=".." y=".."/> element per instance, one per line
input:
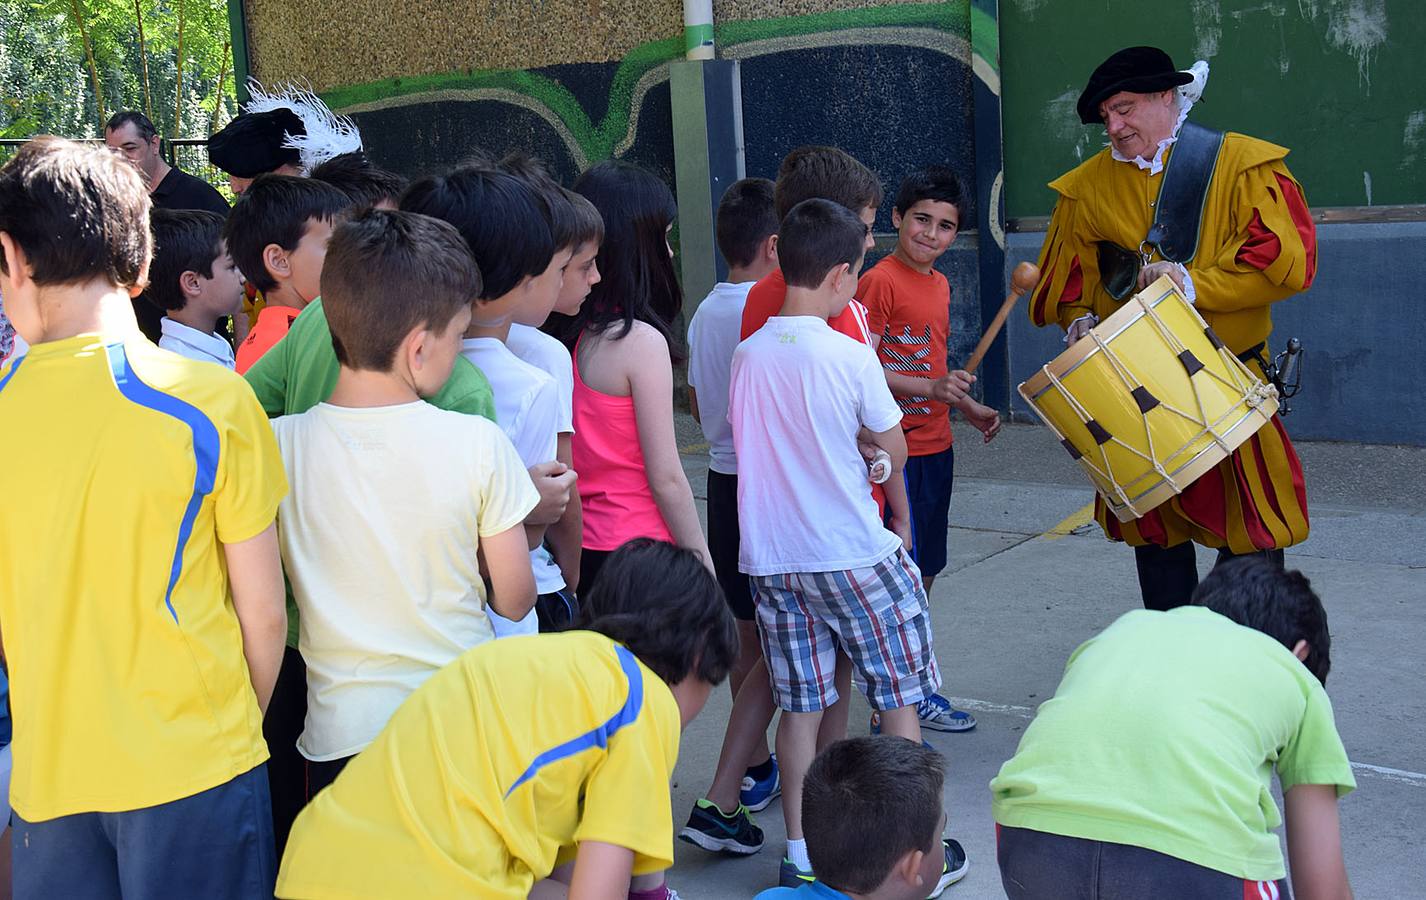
<point x="891" y="84"/>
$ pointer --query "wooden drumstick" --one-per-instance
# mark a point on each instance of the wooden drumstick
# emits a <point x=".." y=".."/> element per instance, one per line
<point x="1025" y="277"/>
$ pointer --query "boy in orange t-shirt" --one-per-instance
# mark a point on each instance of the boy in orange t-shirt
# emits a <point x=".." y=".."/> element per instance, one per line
<point x="908" y="312"/>
<point x="277" y="233"/>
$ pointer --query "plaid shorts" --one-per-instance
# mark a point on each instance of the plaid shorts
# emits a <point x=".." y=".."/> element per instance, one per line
<point x="878" y="615"/>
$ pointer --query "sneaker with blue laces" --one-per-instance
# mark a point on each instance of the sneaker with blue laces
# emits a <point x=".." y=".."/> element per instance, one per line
<point x="789" y="876"/>
<point x="708" y="827"/>
<point x="758" y="794"/>
<point x="937" y="714"/>
<point x="954" y="868"/>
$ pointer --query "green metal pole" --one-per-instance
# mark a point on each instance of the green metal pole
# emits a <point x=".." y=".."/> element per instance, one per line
<point x="238" y="24"/>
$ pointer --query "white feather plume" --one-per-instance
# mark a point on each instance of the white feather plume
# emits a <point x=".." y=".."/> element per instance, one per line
<point x="1193" y="91"/>
<point x="328" y="134"/>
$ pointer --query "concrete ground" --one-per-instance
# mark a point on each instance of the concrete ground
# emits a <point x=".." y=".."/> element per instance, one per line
<point x="1030" y="577"/>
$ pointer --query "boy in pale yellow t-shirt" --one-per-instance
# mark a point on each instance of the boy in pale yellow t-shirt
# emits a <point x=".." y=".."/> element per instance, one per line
<point x="530" y="754"/>
<point x="394" y="501"/>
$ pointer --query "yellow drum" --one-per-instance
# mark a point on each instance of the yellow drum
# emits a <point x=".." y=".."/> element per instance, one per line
<point x="1149" y="400"/>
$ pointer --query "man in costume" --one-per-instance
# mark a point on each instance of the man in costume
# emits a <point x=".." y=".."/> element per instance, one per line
<point x="1252" y="244"/>
<point x="283" y="131"/>
<point x="288" y="130"/>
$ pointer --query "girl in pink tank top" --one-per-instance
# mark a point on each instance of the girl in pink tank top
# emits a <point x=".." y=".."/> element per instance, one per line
<point x="631" y="481"/>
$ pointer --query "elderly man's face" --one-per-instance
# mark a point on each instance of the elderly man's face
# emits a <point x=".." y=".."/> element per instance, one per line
<point x="1136" y="123"/>
<point x="128" y="143"/>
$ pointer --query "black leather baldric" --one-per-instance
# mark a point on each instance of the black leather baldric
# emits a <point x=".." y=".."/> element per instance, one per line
<point x="1178" y="212"/>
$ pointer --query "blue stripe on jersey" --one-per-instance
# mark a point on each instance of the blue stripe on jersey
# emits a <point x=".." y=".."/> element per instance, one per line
<point x="11" y="374"/>
<point x="600" y="736"/>
<point x="205" y="450"/>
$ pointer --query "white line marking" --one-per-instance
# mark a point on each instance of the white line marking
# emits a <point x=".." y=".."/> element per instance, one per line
<point x="1413" y="778"/>
<point x="1019" y="712"/>
<point x="1416" y="779"/>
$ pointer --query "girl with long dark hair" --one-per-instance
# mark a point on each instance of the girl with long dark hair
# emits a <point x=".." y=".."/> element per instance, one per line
<point x="631" y="481"/>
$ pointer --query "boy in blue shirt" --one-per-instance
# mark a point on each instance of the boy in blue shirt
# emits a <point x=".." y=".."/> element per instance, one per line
<point x="873" y="811"/>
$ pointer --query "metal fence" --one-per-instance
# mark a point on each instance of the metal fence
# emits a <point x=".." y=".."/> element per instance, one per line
<point x="188" y="154"/>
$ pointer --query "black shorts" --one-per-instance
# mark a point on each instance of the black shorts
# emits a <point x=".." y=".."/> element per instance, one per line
<point x="723" y="543"/>
<point x="929" y="480"/>
<point x="1035" y="865"/>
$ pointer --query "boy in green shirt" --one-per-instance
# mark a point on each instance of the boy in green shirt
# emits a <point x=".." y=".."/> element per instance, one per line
<point x="301" y="369"/>
<point x="1152" y="765"/>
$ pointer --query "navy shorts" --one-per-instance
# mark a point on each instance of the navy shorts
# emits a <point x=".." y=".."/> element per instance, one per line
<point x="723" y="542"/>
<point x="928" y="487"/>
<point x="216" y="844"/>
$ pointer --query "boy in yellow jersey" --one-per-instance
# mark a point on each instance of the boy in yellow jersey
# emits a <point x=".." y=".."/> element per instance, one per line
<point x="533" y="766"/>
<point x="141" y="598"/>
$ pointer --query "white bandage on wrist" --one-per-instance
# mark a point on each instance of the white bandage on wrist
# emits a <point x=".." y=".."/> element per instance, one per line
<point x="879" y="469"/>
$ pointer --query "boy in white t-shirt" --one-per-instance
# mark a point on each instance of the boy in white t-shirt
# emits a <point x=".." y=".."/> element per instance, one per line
<point x="746" y="229"/>
<point x="564" y="538"/>
<point x="393" y="498"/>
<point x="195" y="282"/>
<point x="511" y="232"/>
<point x="826" y="572"/>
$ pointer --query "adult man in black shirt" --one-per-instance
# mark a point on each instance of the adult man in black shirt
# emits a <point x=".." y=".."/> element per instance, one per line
<point x="132" y="135"/>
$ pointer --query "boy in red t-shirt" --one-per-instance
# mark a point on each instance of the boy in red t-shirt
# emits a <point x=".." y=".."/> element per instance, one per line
<point x="824" y="173"/>
<point x="277" y="233"/>
<point x="908" y="311"/>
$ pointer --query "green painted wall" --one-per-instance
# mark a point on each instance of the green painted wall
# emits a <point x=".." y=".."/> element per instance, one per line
<point x="1339" y="82"/>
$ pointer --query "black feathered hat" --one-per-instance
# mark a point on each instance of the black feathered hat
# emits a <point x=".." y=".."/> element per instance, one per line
<point x="252" y="143"/>
<point x="1138" y="70"/>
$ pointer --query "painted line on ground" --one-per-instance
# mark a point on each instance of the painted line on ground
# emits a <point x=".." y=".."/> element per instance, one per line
<point x="1386" y="773"/>
<point x="693" y="448"/>
<point x="1417" y="779"/>
<point x="1077" y="519"/>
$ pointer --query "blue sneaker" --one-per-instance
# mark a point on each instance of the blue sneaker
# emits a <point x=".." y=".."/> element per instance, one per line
<point x="758" y="795"/>
<point x="937" y="714"/>
<point x="789" y="876"/>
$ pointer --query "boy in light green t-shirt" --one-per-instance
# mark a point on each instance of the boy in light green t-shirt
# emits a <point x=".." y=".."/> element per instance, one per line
<point x="1152" y="765"/>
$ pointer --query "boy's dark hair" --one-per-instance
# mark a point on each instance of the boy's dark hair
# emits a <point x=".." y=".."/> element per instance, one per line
<point x="364" y="184"/>
<point x="866" y="802"/>
<point x="746" y="216"/>
<point x="663" y="604"/>
<point x="77" y="212"/>
<point x="931" y="183"/>
<point x="554" y="200"/>
<point x="387" y="273"/>
<point x="499" y="216"/>
<point x="638" y="279"/>
<point x="184" y="240"/>
<point x="816" y="237"/>
<point x="1260" y="594"/>
<point x="826" y="173"/>
<point x="275" y="209"/>
<point x="588" y="223"/>
<point x="141" y="123"/>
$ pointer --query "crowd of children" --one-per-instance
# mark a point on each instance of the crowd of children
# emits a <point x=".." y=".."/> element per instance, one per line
<point x="435" y="628"/>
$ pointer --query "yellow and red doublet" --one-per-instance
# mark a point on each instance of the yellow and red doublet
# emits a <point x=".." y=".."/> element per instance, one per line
<point x="1257" y="245"/>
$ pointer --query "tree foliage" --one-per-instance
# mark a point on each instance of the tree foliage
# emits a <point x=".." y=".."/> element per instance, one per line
<point x="45" y="81"/>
